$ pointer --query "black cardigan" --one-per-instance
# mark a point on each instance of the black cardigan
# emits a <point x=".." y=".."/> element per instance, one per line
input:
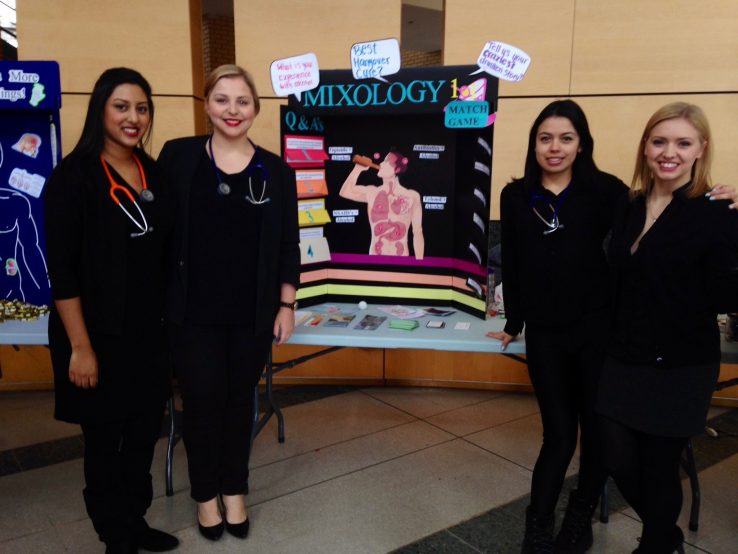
<point x="551" y="281"/>
<point x="278" y="259"/>
<point x="668" y="293"/>
<point x="87" y="250"/>
<point x="85" y="238"/>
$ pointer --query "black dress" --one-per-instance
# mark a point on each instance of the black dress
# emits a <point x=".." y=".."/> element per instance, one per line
<point x="665" y="347"/>
<point x="120" y="281"/>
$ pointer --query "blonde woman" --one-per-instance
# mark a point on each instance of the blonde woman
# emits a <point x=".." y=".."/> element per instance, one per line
<point x="674" y="258"/>
<point x="235" y="272"/>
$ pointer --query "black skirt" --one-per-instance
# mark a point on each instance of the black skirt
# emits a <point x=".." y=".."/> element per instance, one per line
<point x="666" y="402"/>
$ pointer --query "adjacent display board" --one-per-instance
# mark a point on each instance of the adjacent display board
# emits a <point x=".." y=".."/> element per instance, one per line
<point x="30" y="99"/>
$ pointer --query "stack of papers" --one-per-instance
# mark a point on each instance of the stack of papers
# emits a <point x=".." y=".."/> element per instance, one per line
<point x="403" y="312"/>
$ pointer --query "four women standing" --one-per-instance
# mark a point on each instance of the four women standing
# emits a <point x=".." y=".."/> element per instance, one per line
<point x="234" y="272"/>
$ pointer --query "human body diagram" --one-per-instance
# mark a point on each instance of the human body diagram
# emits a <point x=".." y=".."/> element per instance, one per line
<point x="23" y="270"/>
<point x="393" y="209"/>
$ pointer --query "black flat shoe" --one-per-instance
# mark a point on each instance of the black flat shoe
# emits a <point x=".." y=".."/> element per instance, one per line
<point x="154" y="540"/>
<point x="120" y="548"/>
<point x="238" y="530"/>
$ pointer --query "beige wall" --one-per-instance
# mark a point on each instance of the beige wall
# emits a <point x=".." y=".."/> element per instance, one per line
<point x="162" y="40"/>
<point x="620" y="60"/>
<point x="293" y="27"/>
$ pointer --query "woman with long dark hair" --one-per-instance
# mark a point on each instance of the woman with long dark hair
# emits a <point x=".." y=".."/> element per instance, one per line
<point x="554" y="221"/>
<point x="107" y="224"/>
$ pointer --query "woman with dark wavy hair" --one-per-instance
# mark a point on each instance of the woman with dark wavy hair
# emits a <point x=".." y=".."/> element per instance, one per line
<point x="554" y="221"/>
<point x="107" y="224"/>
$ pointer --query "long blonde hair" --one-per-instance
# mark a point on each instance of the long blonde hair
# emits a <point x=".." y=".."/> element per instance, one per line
<point x="232" y="70"/>
<point x="701" y="181"/>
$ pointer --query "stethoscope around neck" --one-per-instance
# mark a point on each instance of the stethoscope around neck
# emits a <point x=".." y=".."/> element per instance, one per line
<point x="145" y="195"/>
<point x="555" y="223"/>
<point x="224" y="189"/>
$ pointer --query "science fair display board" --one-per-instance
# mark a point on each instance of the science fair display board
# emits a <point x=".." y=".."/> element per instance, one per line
<point x="393" y="178"/>
<point x="30" y="99"/>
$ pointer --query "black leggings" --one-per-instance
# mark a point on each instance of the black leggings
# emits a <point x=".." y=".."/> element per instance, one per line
<point x="646" y="470"/>
<point x="564" y="368"/>
<point x="218" y="368"/>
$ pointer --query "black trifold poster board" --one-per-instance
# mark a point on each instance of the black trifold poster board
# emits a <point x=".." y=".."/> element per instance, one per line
<point x="393" y="182"/>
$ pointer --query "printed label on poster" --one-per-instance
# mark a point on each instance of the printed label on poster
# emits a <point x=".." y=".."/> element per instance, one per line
<point x="28" y="144"/>
<point x="375" y="59"/>
<point x="429" y="148"/>
<point x="340" y="149"/>
<point x="30" y="183"/>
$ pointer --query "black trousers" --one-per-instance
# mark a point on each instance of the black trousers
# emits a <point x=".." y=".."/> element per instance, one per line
<point x="117" y="468"/>
<point x="218" y="368"/>
<point x="564" y="367"/>
<point x="646" y="470"/>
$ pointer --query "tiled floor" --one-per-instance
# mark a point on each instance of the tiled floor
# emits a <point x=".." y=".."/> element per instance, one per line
<point x="362" y="470"/>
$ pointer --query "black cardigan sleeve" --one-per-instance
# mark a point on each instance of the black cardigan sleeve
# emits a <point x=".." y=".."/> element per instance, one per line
<point x="289" y="262"/>
<point x="64" y="205"/>
<point x="510" y="262"/>
<point x="722" y="260"/>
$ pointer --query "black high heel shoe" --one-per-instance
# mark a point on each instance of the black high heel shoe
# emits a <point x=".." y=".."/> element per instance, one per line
<point x="212" y="532"/>
<point x="238" y="530"/>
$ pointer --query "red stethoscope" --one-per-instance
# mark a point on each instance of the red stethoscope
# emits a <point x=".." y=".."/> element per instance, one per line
<point x="146" y="195"/>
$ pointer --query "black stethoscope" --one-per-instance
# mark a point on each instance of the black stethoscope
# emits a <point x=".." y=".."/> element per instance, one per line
<point x="224" y="189"/>
<point x="555" y="223"/>
<point x="145" y="195"/>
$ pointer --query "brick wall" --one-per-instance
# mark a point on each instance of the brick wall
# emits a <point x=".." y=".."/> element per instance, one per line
<point x="218" y="41"/>
<point x="411" y="58"/>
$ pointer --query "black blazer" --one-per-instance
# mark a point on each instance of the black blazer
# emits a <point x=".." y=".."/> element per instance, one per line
<point x="278" y="260"/>
<point x="668" y="293"/>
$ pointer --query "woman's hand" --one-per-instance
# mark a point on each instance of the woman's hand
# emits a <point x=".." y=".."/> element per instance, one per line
<point x="83" y="370"/>
<point x="725" y="192"/>
<point x="501" y="336"/>
<point x="284" y="324"/>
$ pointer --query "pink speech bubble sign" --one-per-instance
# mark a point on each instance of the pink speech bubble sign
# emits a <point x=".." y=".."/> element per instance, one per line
<point x="295" y="75"/>
<point x="503" y="61"/>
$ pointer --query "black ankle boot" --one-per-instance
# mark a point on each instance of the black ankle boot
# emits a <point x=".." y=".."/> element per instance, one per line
<point x="538" y="533"/>
<point x="575" y="535"/>
<point x="125" y="547"/>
